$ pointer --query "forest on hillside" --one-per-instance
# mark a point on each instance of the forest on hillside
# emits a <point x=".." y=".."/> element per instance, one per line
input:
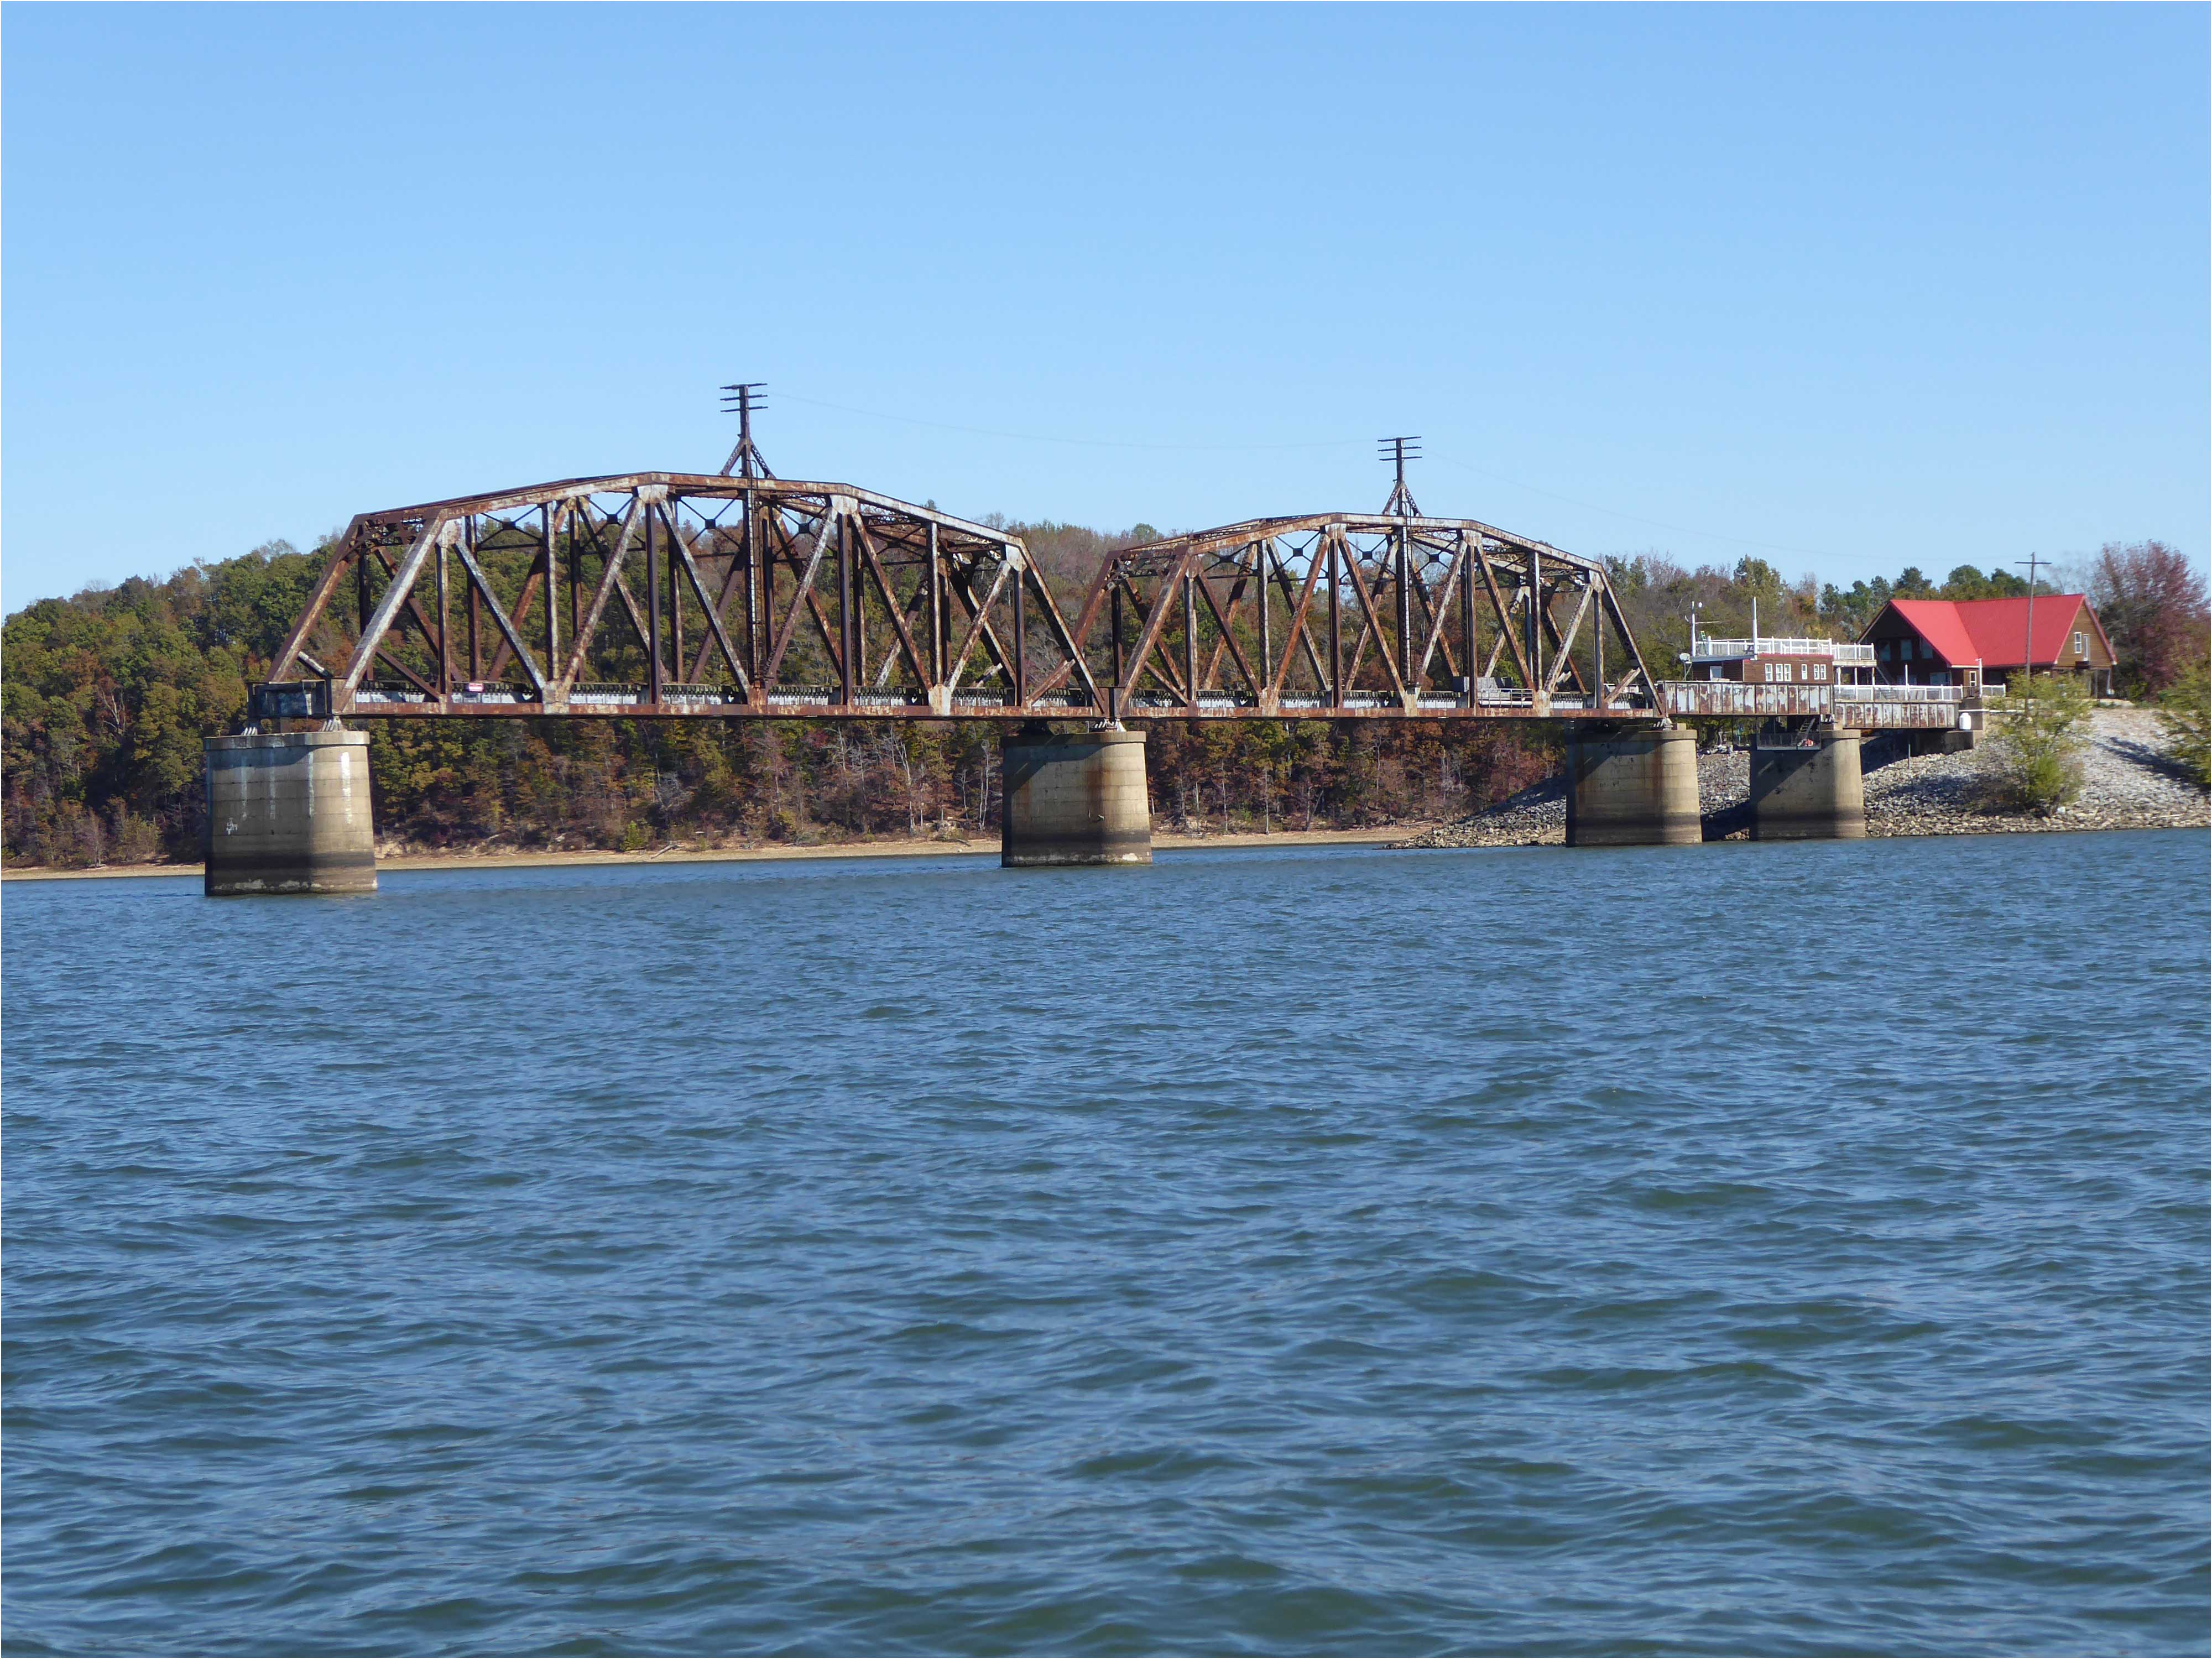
<point x="106" y="696"/>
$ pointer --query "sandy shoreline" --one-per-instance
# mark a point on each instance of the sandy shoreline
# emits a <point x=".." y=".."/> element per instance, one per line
<point x="866" y="849"/>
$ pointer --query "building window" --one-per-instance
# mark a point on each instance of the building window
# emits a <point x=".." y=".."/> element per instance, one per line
<point x="2081" y="644"/>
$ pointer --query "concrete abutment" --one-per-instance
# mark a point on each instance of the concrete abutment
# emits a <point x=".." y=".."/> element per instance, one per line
<point x="1075" y="800"/>
<point x="288" y="812"/>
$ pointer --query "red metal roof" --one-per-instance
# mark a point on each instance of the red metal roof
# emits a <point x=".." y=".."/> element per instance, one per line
<point x="1993" y="631"/>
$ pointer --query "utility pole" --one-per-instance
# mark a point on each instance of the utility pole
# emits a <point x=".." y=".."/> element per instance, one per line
<point x="741" y="400"/>
<point x="2032" y="560"/>
<point x="1400" y="506"/>
<point x="1399" y="451"/>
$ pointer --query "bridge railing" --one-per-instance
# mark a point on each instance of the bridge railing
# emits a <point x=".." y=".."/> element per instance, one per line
<point x="1884" y="706"/>
<point x="1712" y="648"/>
<point x="373" y="692"/>
<point x="480" y="692"/>
<point x="1900" y="693"/>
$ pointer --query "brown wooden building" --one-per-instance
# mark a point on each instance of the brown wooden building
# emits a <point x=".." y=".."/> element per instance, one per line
<point x="1948" y="641"/>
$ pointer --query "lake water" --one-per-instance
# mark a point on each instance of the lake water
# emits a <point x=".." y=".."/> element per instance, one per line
<point x="1785" y="1248"/>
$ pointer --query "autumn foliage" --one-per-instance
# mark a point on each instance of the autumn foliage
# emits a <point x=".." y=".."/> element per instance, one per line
<point x="108" y="694"/>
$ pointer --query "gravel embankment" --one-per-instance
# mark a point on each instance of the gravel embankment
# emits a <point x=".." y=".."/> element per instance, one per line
<point x="2126" y="786"/>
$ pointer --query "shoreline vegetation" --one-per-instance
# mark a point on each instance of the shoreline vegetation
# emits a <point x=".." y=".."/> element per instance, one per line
<point x="108" y="696"/>
<point x="2127" y="786"/>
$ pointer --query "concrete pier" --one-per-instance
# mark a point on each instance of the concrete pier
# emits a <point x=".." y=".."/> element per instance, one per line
<point x="288" y="812"/>
<point x="1080" y="799"/>
<point x="1634" y="788"/>
<point x="1810" y="794"/>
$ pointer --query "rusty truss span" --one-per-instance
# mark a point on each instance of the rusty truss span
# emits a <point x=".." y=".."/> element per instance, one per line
<point x="1352" y="616"/>
<point x="679" y="594"/>
<point x="689" y="595"/>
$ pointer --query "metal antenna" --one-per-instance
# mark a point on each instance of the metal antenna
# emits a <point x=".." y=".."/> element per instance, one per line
<point x="741" y="400"/>
<point x="1399" y="451"/>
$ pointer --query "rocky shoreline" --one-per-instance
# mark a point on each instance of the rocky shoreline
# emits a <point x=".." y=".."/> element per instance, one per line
<point x="2126" y="785"/>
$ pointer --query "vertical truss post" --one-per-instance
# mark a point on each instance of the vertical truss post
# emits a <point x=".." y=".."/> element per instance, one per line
<point x="845" y="631"/>
<point x="552" y="588"/>
<point x="1535" y="623"/>
<point x="1190" y="637"/>
<point x="1114" y="608"/>
<point x="444" y="629"/>
<point x="1335" y="623"/>
<point x="655" y="680"/>
<point x="1597" y="643"/>
<point x="856" y="543"/>
<point x="1467" y="612"/>
<point x="360" y="587"/>
<point x="1404" y="540"/>
<point x="1262" y="551"/>
<point x="476" y="644"/>
<point x="576" y="574"/>
<point x="675" y="591"/>
<point x="1021" y="641"/>
<point x="749" y="549"/>
<point x="937" y="618"/>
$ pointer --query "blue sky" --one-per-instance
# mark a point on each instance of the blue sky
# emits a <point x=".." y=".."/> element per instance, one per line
<point x="1843" y="288"/>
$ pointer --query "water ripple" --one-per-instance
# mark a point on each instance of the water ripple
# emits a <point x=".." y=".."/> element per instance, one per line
<point x="1333" y="1252"/>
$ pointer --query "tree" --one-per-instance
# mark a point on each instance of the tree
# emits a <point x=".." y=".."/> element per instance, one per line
<point x="2153" y="608"/>
<point x="1759" y="579"/>
<point x="1847" y="614"/>
<point x="2185" y="719"/>
<point x="2035" y="757"/>
<point x="1627" y="576"/>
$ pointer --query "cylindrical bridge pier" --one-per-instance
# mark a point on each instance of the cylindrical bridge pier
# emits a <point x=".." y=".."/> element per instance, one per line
<point x="1075" y="800"/>
<point x="288" y="812"/>
<point x="1809" y="790"/>
<point x="1633" y="788"/>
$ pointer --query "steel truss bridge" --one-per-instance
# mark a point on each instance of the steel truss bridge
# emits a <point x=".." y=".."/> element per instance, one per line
<point x="678" y="595"/>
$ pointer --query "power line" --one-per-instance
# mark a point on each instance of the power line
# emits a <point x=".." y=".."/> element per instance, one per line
<point x="1318" y="444"/>
<point x="1049" y="438"/>
<point x="1631" y="518"/>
